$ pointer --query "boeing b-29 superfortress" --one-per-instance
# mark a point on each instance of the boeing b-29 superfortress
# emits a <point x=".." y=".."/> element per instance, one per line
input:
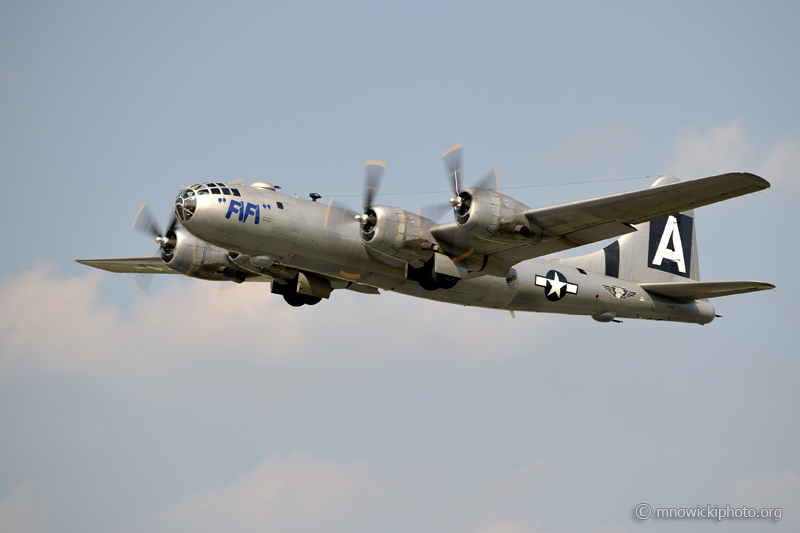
<point x="489" y="256"/>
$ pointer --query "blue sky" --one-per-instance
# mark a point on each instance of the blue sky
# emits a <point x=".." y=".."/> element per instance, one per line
<point x="191" y="409"/>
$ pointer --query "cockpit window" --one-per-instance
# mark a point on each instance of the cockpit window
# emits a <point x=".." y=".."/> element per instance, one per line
<point x="214" y="188"/>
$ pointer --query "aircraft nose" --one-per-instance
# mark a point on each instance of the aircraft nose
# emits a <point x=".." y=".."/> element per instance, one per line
<point x="185" y="205"/>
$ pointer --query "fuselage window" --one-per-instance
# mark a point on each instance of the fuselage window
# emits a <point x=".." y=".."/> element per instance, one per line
<point x="280" y="205"/>
<point x="226" y="191"/>
<point x="215" y="191"/>
<point x="202" y="191"/>
<point x="235" y="192"/>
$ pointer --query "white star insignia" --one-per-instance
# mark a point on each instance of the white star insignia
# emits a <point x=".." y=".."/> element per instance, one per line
<point x="557" y="286"/>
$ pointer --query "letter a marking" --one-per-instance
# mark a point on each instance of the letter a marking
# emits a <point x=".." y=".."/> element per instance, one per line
<point x="676" y="255"/>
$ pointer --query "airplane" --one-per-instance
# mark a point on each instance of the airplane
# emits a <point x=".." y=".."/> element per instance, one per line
<point x="490" y="256"/>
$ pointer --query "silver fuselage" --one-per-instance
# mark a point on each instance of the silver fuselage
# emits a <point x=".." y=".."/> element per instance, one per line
<point x="320" y="238"/>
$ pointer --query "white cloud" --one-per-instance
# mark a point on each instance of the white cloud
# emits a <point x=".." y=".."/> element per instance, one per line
<point x="782" y="164"/>
<point x="522" y="481"/>
<point x="20" y="513"/>
<point x="521" y="526"/>
<point x="300" y="493"/>
<point x="508" y="502"/>
<point x="55" y="325"/>
<point x="727" y="147"/>
<point x="603" y="142"/>
<point x="293" y="493"/>
<point x="723" y="148"/>
<point x="768" y="490"/>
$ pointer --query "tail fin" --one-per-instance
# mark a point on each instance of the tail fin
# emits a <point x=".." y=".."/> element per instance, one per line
<point x="661" y="251"/>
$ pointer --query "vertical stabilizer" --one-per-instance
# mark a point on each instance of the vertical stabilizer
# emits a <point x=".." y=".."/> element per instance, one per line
<point x="661" y="251"/>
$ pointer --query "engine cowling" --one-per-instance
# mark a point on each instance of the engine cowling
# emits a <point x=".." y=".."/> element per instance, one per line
<point x="492" y="215"/>
<point x="198" y="259"/>
<point x="394" y="236"/>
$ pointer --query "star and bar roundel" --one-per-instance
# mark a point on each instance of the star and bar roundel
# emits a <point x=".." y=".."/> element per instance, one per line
<point x="556" y="285"/>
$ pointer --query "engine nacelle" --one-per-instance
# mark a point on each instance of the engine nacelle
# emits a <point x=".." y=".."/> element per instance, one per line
<point x="491" y="215"/>
<point x="395" y="236"/>
<point x="198" y="259"/>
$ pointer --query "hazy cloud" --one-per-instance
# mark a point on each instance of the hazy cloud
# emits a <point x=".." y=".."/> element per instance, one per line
<point x="603" y="142"/>
<point x="522" y="526"/>
<point x="782" y="165"/>
<point x="287" y="493"/>
<point x="299" y="493"/>
<point x="57" y="325"/>
<point x="768" y="490"/>
<point x="20" y="512"/>
<point x="722" y="148"/>
<point x="726" y="148"/>
<point x="509" y="502"/>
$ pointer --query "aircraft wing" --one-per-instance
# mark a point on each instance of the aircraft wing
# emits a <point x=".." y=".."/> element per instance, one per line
<point x="578" y="223"/>
<point x="573" y="219"/>
<point x="700" y="290"/>
<point x="130" y="265"/>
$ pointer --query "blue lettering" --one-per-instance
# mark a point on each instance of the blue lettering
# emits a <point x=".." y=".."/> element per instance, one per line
<point x="251" y="209"/>
<point x="234" y="207"/>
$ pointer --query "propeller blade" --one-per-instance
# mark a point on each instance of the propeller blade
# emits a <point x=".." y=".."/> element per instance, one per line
<point x="172" y="223"/>
<point x="338" y="213"/>
<point x="489" y="181"/>
<point x="145" y="221"/>
<point x="225" y="287"/>
<point x="142" y="282"/>
<point x="435" y="212"/>
<point x="452" y="163"/>
<point x="372" y="181"/>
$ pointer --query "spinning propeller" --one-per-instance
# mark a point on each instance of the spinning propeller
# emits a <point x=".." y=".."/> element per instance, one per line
<point x="452" y="162"/>
<point x="146" y="223"/>
<point x="372" y="179"/>
<point x="455" y="176"/>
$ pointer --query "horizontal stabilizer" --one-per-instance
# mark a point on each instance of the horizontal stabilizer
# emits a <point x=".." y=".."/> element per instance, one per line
<point x="130" y="265"/>
<point x="700" y="290"/>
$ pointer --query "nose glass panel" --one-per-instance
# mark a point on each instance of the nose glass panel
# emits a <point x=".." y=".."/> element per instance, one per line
<point x="185" y="204"/>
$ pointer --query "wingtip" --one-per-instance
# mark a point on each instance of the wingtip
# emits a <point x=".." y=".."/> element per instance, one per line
<point x="759" y="180"/>
<point x="751" y="179"/>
